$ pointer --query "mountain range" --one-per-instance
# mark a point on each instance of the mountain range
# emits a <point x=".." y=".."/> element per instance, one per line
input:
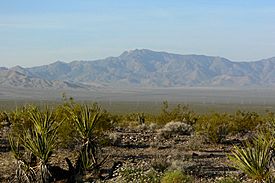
<point x="143" y="68"/>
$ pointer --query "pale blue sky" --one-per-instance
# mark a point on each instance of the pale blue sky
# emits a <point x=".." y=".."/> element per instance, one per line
<point x="36" y="32"/>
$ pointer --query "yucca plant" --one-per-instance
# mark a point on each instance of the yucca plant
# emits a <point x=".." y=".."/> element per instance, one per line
<point x="24" y="171"/>
<point x="255" y="158"/>
<point x="85" y="121"/>
<point x="41" y="139"/>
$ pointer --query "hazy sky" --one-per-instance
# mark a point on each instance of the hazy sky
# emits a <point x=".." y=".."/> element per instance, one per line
<point x="36" y="32"/>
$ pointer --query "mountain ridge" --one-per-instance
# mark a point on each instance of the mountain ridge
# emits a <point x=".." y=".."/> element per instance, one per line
<point x="147" y="68"/>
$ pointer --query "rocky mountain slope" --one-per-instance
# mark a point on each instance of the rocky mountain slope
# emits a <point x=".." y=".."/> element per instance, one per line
<point x="20" y="77"/>
<point x="145" y="68"/>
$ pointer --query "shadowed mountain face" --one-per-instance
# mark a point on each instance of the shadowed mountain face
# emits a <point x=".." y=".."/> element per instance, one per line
<point x="148" y="69"/>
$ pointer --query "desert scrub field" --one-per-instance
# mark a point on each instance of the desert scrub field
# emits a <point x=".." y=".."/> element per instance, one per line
<point x="74" y="142"/>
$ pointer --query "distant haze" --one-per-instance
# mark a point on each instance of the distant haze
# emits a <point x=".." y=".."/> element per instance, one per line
<point x="41" y="32"/>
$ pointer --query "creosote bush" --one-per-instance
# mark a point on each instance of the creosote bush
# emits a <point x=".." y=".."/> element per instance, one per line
<point x="214" y="128"/>
<point x="20" y="119"/>
<point x="178" y="113"/>
<point x="242" y="121"/>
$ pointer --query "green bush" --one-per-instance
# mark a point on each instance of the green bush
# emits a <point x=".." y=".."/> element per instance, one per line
<point x="178" y="113"/>
<point x="176" y="177"/>
<point x="213" y="127"/>
<point x="67" y="133"/>
<point x="128" y="120"/>
<point x="242" y="121"/>
<point x="20" y="119"/>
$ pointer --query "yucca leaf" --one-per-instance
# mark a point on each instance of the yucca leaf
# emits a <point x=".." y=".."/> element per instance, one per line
<point x="255" y="158"/>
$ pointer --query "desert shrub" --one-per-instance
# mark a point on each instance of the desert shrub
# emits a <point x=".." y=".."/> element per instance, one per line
<point x="67" y="133"/>
<point x="141" y="118"/>
<point x="4" y="117"/>
<point x="20" y="118"/>
<point x="228" y="180"/>
<point x="130" y="174"/>
<point x="213" y="127"/>
<point x="196" y="142"/>
<point x="176" y="177"/>
<point x="175" y="128"/>
<point x="242" y="121"/>
<point x="255" y="158"/>
<point x="114" y="139"/>
<point x="178" y="113"/>
<point x="160" y="165"/>
<point x="130" y="117"/>
<point x="127" y="120"/>
<point x="106" y="122"/>
<point x="268" y="125"/>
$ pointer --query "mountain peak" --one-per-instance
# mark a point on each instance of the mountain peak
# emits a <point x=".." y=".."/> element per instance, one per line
<point x="136" y="52"/>
<point x="17" y="67"/>
<point x="58" y="62"/>
<point x="147" y="68"/>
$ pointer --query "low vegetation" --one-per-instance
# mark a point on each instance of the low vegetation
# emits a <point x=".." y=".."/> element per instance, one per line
<point x="36" y="135"/>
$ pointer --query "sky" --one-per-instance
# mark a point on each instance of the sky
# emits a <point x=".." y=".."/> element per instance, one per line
<point x="37" y="32"/>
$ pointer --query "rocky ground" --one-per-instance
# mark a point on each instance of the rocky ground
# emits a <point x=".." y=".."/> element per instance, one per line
<point x="144" y="149"/>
